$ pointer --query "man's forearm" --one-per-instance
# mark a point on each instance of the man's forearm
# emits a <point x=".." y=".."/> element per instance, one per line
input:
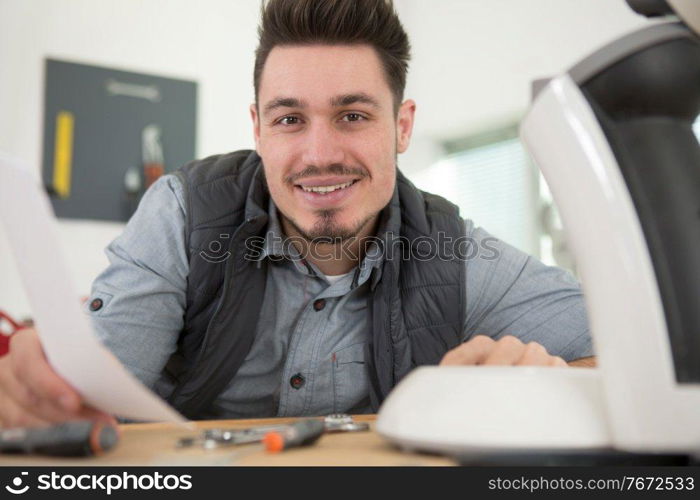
<point x="588" y="362"/>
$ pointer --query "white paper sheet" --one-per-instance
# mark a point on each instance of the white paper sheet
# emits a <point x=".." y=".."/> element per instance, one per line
<point x="64" y="329"/>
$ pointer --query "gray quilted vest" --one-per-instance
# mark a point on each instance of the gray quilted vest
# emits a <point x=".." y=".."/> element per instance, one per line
<point x="417" y="306"/>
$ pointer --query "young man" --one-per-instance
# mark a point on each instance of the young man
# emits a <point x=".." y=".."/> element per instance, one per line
<point x="270" y="283"/>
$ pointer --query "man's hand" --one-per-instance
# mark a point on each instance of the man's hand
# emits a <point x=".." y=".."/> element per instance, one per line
<point x="588" y="362"/>
<point x="32" y="393"/>
<point x="508" y="350"/>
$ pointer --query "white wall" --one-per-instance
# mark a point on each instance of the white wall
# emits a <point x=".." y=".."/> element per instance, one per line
<point x="473" y="61"/>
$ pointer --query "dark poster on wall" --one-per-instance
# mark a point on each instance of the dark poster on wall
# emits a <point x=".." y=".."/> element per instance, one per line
<point x="109" y="134"/>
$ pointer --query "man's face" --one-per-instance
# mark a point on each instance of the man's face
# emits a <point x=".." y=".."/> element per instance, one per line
<point x="328" y="136"/>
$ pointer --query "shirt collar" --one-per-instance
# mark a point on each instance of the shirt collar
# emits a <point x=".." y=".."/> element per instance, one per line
<point x="274" y="237"/>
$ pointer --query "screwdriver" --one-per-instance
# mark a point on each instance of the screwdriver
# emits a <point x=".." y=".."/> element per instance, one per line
<point x="301" y="433"/>
<point x="69" y="439"/>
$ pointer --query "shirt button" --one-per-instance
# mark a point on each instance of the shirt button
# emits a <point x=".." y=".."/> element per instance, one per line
<point x="319" y="304"/>
<point x="297" y="381"/>
<point x="96" y="305"/>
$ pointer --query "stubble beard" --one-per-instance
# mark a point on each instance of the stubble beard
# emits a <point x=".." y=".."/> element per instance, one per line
<point x="327" y="229"/>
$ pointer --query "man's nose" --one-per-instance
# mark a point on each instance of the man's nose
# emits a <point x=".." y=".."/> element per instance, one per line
<point x="323" y="146"/>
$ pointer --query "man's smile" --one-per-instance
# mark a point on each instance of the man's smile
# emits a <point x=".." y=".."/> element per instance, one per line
<point x="326" y="192"/>
<point x="325" y="189"/>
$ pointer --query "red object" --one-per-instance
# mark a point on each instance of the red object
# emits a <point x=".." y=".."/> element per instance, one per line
<point x="5" y="339"/>
<point x="152" y="171"/>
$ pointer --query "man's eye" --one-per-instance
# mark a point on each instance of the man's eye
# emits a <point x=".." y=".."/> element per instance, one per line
<point x="289" y="120"/>
<point x="353" y="117"/>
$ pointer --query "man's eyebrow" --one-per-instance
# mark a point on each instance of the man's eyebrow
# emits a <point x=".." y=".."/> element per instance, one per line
<point x="283" y="102"/>
<point x="361" y="97"/>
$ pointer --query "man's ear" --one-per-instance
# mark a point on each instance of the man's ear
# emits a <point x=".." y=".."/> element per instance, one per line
<point x="404" y="125"/>
<point x="256" y="125"/>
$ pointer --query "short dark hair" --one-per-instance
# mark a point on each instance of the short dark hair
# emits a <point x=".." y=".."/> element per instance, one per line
<point x="336" y="22"/>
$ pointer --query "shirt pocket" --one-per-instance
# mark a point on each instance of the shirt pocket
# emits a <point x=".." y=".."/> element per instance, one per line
<point x="350" y="380"/>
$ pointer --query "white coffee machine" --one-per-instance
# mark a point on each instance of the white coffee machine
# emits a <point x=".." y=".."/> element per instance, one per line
<point x="613" y="137"/>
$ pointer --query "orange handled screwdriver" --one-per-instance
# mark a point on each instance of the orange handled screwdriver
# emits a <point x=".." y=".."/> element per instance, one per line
<point x="301" y="433"/>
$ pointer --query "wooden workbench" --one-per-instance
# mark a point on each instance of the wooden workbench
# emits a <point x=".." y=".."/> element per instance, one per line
<point x="154" y="445"/>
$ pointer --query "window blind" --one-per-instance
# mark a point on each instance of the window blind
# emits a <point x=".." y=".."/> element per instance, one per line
<point x="493" y="184"/>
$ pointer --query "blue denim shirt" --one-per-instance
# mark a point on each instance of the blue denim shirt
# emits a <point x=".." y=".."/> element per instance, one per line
<point x="307" y="360"/>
